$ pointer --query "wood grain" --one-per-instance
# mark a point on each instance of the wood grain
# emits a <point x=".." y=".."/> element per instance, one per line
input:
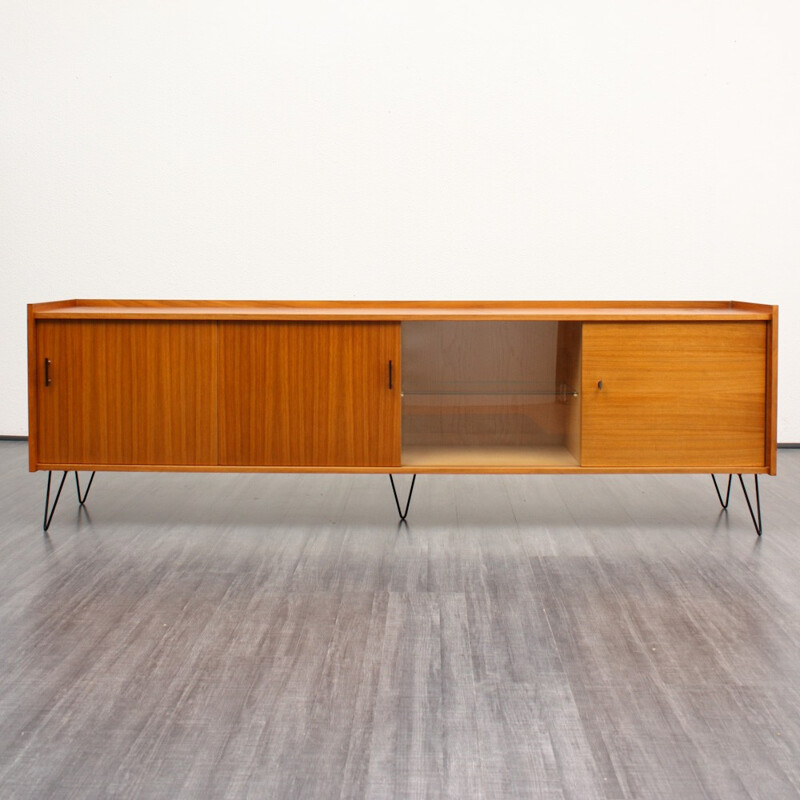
<point x="674" y="394"/>
<point x="126" y="393"/>
<point x="372" y="310"/>
<point x="309" y="394"/>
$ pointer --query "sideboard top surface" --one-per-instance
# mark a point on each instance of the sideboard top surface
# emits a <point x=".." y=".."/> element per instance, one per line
<point x="395" y="311"/>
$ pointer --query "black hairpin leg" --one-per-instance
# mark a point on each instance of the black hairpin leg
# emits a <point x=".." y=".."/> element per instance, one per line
<point x="403" y="514"/>
<point x="49" y="519"/>
<point x="48" y="512"/>
<point x="755" y="515"/>
<point x="727" y="495"/>
<point x="82" y="500"/>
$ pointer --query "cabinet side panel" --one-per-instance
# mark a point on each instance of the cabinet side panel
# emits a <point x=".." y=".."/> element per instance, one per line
<point x="127" y="393"/>
<point x="33" y="401"/>
<point x="772" y="393"/>
<point x="674" y="394"/>
<point x="309" y="394"/>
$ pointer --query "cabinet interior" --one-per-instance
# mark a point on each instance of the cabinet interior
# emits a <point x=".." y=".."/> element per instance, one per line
<point x="491" y="393"/>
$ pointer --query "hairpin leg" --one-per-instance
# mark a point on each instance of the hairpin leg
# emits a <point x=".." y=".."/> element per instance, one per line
<point x="755" y="514"/>
<point x="403" y="514"/>
<point x="727" y="495"/>
<point x="82" y="500"/>
<point x="49" y="519"/>
<point x="48" y="512"/>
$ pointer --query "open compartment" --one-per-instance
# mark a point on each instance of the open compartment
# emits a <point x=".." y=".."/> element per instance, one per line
<point x="491" y="393"/>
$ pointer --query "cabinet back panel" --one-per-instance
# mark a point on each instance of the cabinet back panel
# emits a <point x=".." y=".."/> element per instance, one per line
<point x="674" y="394"/>
<point x="127" y="392"/>
<point x="309" y="394"/>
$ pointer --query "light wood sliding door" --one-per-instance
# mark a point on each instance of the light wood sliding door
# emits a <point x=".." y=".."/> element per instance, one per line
<point x="309" y="394"/>
<point x="127" y="393"/>
<point x="674" y="394"/>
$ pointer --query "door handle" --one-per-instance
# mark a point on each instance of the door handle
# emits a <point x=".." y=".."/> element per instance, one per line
<point x="47" y="372"/>
<point x="391" y="375"/>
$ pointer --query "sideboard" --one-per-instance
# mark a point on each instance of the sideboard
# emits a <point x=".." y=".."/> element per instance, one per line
<point x="403" y="387"/>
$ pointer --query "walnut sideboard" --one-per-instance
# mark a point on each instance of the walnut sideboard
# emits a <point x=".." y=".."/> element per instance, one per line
<point x="403" y="387"/>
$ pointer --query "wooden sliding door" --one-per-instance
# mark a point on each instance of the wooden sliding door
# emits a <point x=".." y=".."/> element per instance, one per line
<point x="309" y="394"/>
<point x="132" y="393"/>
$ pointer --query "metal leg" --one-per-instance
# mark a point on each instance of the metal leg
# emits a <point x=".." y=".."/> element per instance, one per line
<point x="727" y="495"/>
<point x="403" y="514"/>
<point x="755" y="516"/>
<point x="82" y="500"/>
<point x="49" y="519"/>
<point x="48" y="512"/>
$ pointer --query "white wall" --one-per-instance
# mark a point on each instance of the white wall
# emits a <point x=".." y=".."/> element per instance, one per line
<point x="417" y="149"/>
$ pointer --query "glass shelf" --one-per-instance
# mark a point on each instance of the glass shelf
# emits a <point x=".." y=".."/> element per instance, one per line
<point x="463" y="390"/>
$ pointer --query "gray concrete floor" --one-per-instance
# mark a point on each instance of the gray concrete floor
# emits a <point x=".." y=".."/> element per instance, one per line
<point x="281" y="636"/>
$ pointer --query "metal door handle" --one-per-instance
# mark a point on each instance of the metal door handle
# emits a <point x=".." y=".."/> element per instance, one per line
<point x="391" y="377"/>
<point x="47" y="372"/>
